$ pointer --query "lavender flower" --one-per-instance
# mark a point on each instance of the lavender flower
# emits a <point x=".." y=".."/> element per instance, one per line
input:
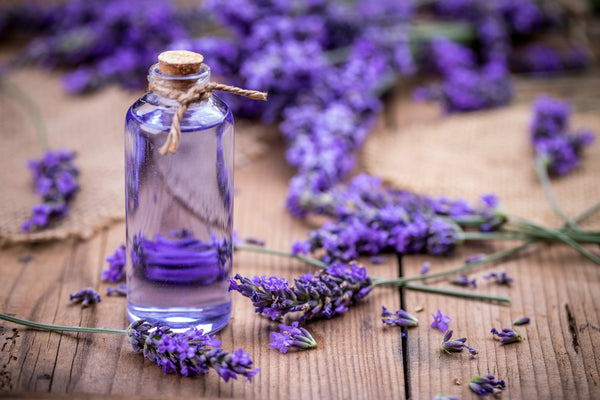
<point x="85" y="296"/>
<point x="291" y="336"/>
<point x="507" y="335"/>
<point x="450" y="345"/>
<point x="324" y="295"/>
<point x="474" y="258"/>
<point x="556" y="147"/>
<point x="370" y="218"/>
<point x="502" y="278"/>
<point x="116" y="265"/>
<point x="425" y="267"/>
<point x="54" y="175"/>
<point x="189" y="353"/>
<point x="441" y="397"/>
<point x="485" y="384"/>
<point x="399" y="318"/>
<point x="521" y="321"/>
<point x="121" y="290"/>
<point x="463" y="280"/>
<point x="440" y="321"/>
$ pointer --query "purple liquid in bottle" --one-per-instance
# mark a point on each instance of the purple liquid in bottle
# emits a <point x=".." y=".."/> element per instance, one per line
<point x="179" y="210"/>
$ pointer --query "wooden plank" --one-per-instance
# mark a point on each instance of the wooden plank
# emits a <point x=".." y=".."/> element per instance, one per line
<point x="555" y="287"/>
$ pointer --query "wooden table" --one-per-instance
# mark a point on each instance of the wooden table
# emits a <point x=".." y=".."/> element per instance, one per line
<point x="357" y="356"/>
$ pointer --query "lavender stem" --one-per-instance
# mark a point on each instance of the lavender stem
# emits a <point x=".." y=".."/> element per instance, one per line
<point x="50" y="327"/>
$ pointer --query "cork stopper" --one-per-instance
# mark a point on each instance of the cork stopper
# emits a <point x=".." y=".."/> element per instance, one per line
<point x="180" y="62"/>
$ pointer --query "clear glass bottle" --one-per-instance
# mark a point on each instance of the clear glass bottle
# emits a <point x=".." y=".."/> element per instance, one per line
<point x="179" y="209"/>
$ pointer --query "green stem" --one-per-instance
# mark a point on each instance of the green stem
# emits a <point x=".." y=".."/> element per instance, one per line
<point x="257" y="249"/>
<point x="562" y="236"/>
<point x="458" y="293"/>
<point x="512" y="235"/>
<point x="49" y="327"/>
<point x="542" y="172"/>
<point x="34" y="112"/>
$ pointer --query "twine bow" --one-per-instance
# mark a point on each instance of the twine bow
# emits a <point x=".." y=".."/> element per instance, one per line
<point x="194" y="94"/>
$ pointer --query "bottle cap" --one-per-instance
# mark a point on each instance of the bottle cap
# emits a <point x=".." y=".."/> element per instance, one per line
<point x="179" y="62"/>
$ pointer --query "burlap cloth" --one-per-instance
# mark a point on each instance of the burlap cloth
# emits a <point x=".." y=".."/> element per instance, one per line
<point x="93" y="127"/>
<point x="466" y="155"/>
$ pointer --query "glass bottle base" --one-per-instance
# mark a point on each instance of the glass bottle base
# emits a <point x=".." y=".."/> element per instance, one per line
<point x="179" y="319"/>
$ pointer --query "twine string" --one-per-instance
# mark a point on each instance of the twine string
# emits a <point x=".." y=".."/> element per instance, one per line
<point x="194" y="94"/>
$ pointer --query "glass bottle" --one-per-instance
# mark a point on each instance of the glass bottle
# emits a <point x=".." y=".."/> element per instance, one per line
<point x="179" y="207"/>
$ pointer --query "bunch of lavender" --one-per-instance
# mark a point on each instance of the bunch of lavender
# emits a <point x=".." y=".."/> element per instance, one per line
<point x="181" y="258"/>
<point x="107" y="41"/>
<point x="188" y="353"/>
<point x="558" y="150"/>
<point x="371" y="218"/>
<point x="55" y="180"/>
<point x="321" y="296"/>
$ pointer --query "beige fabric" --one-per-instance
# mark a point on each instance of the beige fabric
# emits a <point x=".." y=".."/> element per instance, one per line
<point x="92" y="126"/>
<point x="466" y="155"/>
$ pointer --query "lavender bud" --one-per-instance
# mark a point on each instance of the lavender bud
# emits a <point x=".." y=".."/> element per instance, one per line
<point x="456" y="345"/>
<point x="85" y="296"/>
<point x="119" y="291"/>
<point x="399" y="318"/>
<point x="507" y="335"/>
<point x="521" y="321"/>
<point x="502" y="278"/>
<point x="485" y="384"/>
<point x="463" y="280"/>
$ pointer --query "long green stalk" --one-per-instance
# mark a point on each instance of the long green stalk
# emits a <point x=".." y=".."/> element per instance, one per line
<point x="50" y="327"/>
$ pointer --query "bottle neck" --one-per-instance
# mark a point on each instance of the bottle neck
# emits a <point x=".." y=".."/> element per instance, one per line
<point x="178" y="82"/>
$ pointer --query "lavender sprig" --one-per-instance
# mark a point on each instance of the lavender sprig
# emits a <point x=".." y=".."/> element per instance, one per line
<point x="485" y="384"/>
<point x="86" y="297"/>
<point x="189" y="353"/>
<point x="55" y="178"/>
<point x="324" y="295"/>
<point x="291" y="336"/>
<point x="507" y="335"/>
<point x="450" y="345"/>
<point x="398" y="318"/>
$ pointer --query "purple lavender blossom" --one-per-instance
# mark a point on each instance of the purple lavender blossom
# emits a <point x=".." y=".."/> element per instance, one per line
<point x="116" y="265"/>
<point x="440" y="321"/>
<point x="557" y="148"/>
<point x="121" y="290"/>
<point x="321" y="296"/>
<point x="474" y="258"/>
<point x="485" y="384"/>
<point x="54" y="175"/>
<point x="521" y="321"/>
<point x="441" y="397"/>
<point x="291" y="336"/>
<point x="463" y="280"/>
<point x="502" y="278"/>
<point x="370" y="218"/>
<point x="86" y="297"/>
<point x="425" y="267"/>
<point x="450" y="345"/>
<point x="507" y="335"/>
<point x="398" y="318"/>
<point x="189" y="353"/>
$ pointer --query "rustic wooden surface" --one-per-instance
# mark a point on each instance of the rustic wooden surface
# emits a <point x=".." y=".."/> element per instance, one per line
<point x="357" y="357"/>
